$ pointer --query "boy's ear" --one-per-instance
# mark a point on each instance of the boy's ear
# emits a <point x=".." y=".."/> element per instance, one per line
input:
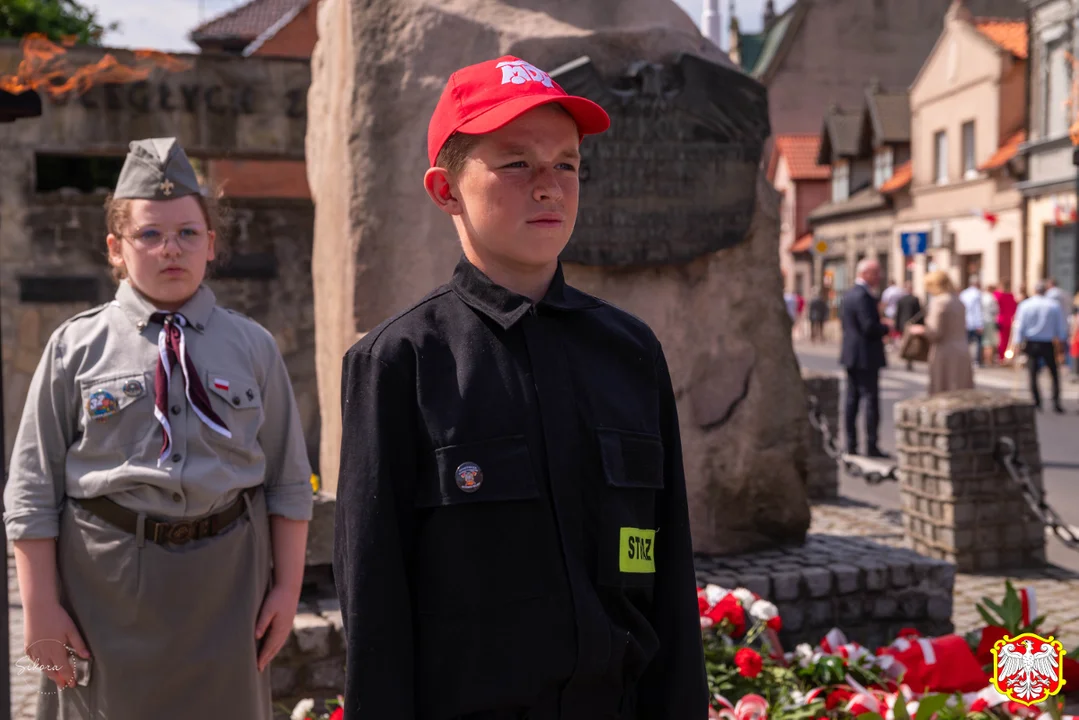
<point x="116" y="257"/>
<point x="442" y="190"/>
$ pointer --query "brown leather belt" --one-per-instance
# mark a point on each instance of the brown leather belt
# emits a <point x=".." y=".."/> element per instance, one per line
<point x="176" y="532"/>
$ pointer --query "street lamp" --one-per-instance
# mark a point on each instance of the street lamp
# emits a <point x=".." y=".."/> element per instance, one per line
<point x="13" y="106"/>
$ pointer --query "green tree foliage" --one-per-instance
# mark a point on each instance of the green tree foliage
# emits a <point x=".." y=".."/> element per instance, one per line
<point x="57" y="19"/>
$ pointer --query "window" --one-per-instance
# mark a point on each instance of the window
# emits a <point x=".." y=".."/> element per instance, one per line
<point x="840" y="180"/>
<point x="1057" y="85"/>
<point x="940" y="157"/>
<point x="882" y="166"/>
<point x="969" y="168"/>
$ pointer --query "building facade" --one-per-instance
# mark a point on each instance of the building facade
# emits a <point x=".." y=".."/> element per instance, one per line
<point x="967" y="122"/>
<point x="869" y="151"/>
<point x="1049" y="188"/>
<point x="803" y="184"/>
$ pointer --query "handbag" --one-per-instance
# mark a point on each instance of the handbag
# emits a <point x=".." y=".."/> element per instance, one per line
<point x="914" y="348"/>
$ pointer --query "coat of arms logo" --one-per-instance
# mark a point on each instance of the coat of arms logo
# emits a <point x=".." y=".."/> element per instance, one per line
<point x="1027" y="668"/>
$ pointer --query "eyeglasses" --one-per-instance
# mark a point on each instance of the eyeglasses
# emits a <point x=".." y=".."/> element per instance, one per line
<point x="190" y="238"/>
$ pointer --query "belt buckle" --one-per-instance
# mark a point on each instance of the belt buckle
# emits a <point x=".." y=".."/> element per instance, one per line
<point x="180" y="532"/>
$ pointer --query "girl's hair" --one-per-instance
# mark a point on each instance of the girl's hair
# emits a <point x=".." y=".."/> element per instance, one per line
<point x="118" y="220"/>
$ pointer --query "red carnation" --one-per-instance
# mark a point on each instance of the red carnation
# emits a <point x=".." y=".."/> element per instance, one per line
<point x="775" y="623"/>
<point x="729" y="609"/>
<point x="837" y="697"/>
<point x="338" y="714"/>
<point x="749" y="662"/>
<point x="979" y="705"/>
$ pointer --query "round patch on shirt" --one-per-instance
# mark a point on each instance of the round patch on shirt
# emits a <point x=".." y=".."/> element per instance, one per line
<point x="469" y="477"/>
<point x="101" y="404"/>
<point x="133" y="388"/>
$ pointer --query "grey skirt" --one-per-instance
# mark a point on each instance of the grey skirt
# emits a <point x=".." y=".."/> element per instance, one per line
<point x="170" y="628"/>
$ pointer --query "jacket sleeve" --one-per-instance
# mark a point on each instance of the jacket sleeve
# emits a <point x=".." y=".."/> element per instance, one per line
<point x="868" y="319"/>
<point x="373" y="537"/>
<point x="674" y="686"/>
<point x="288" y="470"/>
<point x="36" y="483"/>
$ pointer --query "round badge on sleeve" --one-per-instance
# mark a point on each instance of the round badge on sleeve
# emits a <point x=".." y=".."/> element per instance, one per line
<point x="469" y="477"/>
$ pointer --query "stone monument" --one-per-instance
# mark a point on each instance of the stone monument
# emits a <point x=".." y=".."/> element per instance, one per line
<point x="676" y="225"/>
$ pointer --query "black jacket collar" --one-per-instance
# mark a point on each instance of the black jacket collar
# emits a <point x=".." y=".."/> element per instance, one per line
<point x="507" y="307"/>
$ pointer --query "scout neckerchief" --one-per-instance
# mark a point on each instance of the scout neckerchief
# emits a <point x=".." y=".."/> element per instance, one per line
<point x="171" y="346"/>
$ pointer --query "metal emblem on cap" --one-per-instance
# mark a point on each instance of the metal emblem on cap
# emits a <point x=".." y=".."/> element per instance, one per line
<point x="133" y="388"/>
<point x="101" y="404"/>
<point x="166" y="187"/>
<point x="469" y="477"/>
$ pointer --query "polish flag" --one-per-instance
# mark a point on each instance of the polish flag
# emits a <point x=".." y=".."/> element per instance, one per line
<point x="222" y="385"/>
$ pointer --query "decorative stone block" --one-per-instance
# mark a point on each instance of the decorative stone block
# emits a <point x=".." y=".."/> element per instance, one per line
<point x="958" y="501"/>
<point x="868" y="589"/>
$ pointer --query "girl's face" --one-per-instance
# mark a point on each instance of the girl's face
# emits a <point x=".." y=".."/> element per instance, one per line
<point x="164" y="249"/>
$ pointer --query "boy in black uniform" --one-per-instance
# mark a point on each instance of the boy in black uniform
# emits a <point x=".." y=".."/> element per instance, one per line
<point x="512" y="536"/>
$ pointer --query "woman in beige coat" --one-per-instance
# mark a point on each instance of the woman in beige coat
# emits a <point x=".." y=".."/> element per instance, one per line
<point x="946" y="329"/>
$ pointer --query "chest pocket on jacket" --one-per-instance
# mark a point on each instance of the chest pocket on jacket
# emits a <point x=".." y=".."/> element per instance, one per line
<point x="237" y="400"/>
<point x="117" y="411"/>
<point x="633" y="473"/>
<point x="481" y="527"/>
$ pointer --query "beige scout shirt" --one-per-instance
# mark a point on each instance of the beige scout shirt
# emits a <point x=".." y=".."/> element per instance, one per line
<point x="59" y="450"/>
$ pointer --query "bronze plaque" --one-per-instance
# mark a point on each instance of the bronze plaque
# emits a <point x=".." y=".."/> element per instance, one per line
<point x="675" y="176"/>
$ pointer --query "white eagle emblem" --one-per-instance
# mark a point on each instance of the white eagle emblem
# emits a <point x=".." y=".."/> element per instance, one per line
<point x="1024" y="674"/>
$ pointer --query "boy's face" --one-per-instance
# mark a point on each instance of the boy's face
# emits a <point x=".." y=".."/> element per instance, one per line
<point x="515" y="200"/>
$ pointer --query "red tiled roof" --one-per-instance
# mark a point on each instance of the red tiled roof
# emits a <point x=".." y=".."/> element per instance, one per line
<point x="1008" y="34"/>
<point x="803" y="244"/>
<point x="801" y="153"/>
<point x="1005" y="152"/>
<point x="899" y="179"/>
<point x="247" y="21"/>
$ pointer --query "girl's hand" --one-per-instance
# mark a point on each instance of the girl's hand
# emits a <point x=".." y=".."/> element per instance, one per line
<point x="278" y="612"/>
<point x="50" y="631"/>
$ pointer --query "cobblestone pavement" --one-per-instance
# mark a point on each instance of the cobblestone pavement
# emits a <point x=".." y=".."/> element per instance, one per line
<point x="1057" y="589"/>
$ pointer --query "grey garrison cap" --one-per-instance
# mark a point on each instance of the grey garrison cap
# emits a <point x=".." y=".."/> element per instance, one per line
<point x="156" y="169"/>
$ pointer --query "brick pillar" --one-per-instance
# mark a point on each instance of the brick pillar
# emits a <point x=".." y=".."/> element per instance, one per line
<point x="959" y="503"/>
<point x="822" y="473"/>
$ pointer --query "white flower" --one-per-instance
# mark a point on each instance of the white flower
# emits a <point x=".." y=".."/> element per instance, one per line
<point x="302" y="709"/>
<point x="714" y="593"/>
<point x="763" y="610"/>
<point x="707" y="622"/>
<point x="744" y="596"/>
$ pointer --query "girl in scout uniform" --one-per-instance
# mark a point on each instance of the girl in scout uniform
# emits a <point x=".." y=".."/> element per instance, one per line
<point x="158" y="472"/>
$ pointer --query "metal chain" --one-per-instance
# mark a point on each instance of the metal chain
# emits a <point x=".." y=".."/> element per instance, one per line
<point x="1007" y="453"/>
<point x="820" y="423"/>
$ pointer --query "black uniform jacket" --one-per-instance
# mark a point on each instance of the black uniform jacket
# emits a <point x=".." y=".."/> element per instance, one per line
<point x="512" y="536"/>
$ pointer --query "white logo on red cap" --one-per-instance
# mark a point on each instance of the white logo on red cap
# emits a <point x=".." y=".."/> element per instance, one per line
<point x="519" y="72"/>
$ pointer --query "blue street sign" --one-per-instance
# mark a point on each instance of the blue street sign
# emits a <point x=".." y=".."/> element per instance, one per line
<point x="919" y="241"/>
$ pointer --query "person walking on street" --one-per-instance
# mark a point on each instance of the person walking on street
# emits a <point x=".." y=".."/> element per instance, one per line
<point x="972" y="301"/>
<point x="818" y="314"/>
<point x="945" y="328"/>
<point x="906" y="309"/>
<point x="863" y="356"/>
<point x="990" y="333"/>
<point x="1007" y="305"/>
<point x="1039" y="331"/>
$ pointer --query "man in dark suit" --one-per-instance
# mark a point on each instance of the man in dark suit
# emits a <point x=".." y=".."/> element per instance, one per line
<point x="863" y="355"/>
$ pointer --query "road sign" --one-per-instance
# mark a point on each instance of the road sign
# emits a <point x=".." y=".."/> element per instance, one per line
<point x="821" y="247"/>
<point x="914" y="243"/>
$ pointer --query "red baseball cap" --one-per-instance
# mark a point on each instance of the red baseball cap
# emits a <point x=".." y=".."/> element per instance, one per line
<point x="482" y="98"/>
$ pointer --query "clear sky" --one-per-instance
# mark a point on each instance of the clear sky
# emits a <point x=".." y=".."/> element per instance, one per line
<point x="164" y="24"/>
